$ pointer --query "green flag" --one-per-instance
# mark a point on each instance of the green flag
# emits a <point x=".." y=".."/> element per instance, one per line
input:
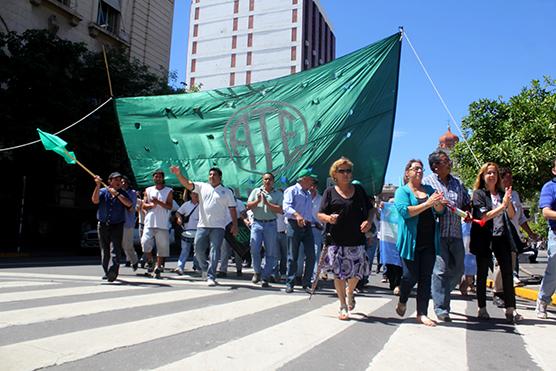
<point x="302" y="121"/>
<point x="53" y="143"/>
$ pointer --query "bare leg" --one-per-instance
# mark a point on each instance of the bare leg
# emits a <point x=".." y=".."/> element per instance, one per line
<point x="352" y="283"/>
<point x="340" y="286"/>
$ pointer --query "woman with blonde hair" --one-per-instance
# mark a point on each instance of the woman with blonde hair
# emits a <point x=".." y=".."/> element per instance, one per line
<point x="346" y="209"/>
<point x="493" y="204"/>
<point x="418" y="237"/>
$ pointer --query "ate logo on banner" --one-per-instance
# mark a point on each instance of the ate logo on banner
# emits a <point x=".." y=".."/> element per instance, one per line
<point x="266" y="136"/>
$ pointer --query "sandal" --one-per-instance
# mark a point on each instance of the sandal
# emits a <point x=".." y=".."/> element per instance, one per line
<point x="343" y="314"/>
<point x="351" y="302"/>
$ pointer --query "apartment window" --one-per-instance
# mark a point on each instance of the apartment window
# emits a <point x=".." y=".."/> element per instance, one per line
<point x="191" y="82"/>
<point x="233" y="63"/>
<point x="293" y="53"/>
<point x="234" y="42"/>
<point x="196" y="30"/>
<point x="294" y="34"/>
<point x="193" y="65"/>
<point x="249" y="58"/>
<point x="197" y="13"/>
<point x="194" y="47"/>
<point x="250" y="22"/>
<point x="65" y="2"/>
<point x="232" y="78"/>
<point x="294" y="15"/>
<point x="248" y="77"/>
<point x="108" y="16"/>
<point x="294" y="2"/>
<point x="249" y="40"/>
<point x="292" y="70"/>
<point x="236" y="6"/>
<point x="235" y="24"/>
<point x="251" y="5"/>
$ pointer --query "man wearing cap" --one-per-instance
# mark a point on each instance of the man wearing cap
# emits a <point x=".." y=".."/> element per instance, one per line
<point x="215" y="203"/>
<point x="265" y="202"/>
<point x="298" y="209"/>
<point x="129" y="225"/>
<point x="157" y="202"/>
<point x="112" y="203"/>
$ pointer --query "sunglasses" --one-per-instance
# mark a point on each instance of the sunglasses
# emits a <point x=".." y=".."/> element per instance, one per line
<point x="344" y="171"/>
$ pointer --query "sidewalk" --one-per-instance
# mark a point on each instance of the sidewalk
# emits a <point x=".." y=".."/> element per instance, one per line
<point x="529" y="291"/>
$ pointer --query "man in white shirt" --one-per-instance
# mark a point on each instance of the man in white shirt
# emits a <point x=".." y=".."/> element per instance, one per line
<point x="215" y="203"/>
<point x="157" y="202"/>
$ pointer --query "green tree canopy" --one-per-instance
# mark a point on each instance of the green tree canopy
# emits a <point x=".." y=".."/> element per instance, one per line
<point x="519" y="133"/>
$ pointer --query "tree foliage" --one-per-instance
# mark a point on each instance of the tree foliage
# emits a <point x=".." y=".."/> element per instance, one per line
<point x="519" y="133"/>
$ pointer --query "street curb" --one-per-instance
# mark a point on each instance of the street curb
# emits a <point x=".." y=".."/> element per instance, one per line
<point x="524" y="292"/>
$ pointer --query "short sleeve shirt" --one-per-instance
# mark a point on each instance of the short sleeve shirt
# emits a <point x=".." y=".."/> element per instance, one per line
<point x="352" y="212"/>
<point x="548" y="199"/>
<point x="214" y="204"/>
<point x="191" y="209"/>
<point x="262" y="211"/>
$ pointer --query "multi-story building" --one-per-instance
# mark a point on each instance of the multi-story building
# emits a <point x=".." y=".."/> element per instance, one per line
<point x="142" y="27"/>
<point x="237" y="42"/>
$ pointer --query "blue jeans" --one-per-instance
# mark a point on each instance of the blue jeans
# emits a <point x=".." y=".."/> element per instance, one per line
<point x="267" y="232"/>
<point x="548" y="284"/>
<point x="296" y="236"/>
<point x="186" y="244"/>
<point x="225" y="254"/>
<point x="448" y="269"/>
<point x="418" y="270"/>
<point x="204" y="238"/>
<point x="317" y="243"/>
<point x="281" y="267"/>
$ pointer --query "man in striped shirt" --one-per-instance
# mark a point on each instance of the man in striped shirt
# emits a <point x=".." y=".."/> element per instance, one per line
<point x="449" y="265"/>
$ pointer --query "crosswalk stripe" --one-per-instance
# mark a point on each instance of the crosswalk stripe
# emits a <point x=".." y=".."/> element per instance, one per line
<point x="60" y="311"/>
<point x="279" y="344"/>
<point x="415" y="345"/>
<point x="53" y="293"/>
<point x="59" y="349"/>
<point x="10" y="284"/>
<point x="536" y="338"/>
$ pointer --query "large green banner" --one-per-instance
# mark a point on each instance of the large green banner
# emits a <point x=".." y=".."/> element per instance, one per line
<point x="301" y="121"/>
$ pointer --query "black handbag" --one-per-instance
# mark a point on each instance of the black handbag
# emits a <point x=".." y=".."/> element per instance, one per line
<point x="513" y="236"/>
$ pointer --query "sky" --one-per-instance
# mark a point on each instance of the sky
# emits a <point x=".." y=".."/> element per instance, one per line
<point x="472" y="49"/>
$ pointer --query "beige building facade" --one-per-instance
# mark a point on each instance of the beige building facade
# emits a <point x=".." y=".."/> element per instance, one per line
<point x="143" y="27"/>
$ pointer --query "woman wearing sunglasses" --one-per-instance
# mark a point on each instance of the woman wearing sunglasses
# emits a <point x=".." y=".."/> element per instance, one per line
<point x="346" y="209"/>
<point x="418" y="237"/>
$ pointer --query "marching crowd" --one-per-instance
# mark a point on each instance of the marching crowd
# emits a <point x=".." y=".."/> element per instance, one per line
<point x="298" y="235"/>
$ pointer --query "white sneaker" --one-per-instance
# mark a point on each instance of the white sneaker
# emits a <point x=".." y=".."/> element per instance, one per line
<point x="204" y="275"/>
<point x="211" y="282"/>
<point x="540" y="310"/>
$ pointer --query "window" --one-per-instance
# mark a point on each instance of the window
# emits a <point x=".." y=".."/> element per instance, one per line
<point x="236" y="6"/>
<point x="293" y="53"/>
<point x="294" y="2"/>
<point x="235" y="24"/>
<point x="250" y="22"/>
<point x="194" y="47"/>
<point x="292" y="70"/>
<point x="251" y="5"/>
<point x="108" y="16"/>
<point x="294" y="34"/>
<point x="196" y="30"/>
<point x="249" y="58"/>
<point x="193" y="65"/>
<point x="248" y="77"/>
<point x="197" y="13"/>
<point x="233" y="63"/>
<point x="65" y="2"/>
<point x="232" y="78"/>
<point x="191" y="82"/>
<point x="294" y="15"/>
<point x="249" y="40"/>
<point x="234" y="42"/>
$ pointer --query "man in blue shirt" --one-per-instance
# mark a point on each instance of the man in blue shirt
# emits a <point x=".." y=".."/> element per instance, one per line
<point x="298" y="210"/>
<point x="547" y="203"/>
<point x="112" y="204"/>
<point x="129" y="225"/>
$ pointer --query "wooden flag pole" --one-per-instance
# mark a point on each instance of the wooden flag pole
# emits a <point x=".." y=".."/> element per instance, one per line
<point x="107" y="71"/>
<point x="82" y="166"/>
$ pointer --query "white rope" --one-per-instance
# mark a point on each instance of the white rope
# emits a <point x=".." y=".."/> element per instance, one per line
<point x="440" y="97"/>
<point x="61" y="131"/>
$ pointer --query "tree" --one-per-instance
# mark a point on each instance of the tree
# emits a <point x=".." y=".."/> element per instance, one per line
<point x="48" y="83"/>
<point x="519" y="133"/>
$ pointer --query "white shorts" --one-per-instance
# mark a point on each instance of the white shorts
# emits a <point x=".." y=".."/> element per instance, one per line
<point x="162" y="238"/>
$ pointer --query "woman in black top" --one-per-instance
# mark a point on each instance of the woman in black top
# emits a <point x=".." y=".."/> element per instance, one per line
<point x="346" y="208"/>
<point x="493" y="205"/>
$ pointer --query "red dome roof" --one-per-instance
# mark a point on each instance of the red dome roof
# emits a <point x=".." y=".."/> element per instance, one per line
<point x="448" y="139"/>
